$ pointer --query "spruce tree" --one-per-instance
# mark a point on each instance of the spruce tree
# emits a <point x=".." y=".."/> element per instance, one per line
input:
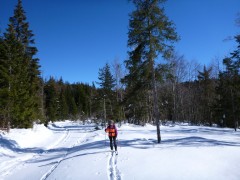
<point x="228" y="103"/>
<point x="137" y="86"/>
<point x="4" y="84"/>
<point x="22" y="32"/>
<point x="81" y="95"/>
<point x="152" y="33"/>
<point x="21" y="112"/>
<point x="107" y="83"/>
<point x="25" y="36"/>
<point x="63" y="108"/>
<point x="206" y="96"/>
<point x="51" y="100"/>
<point x="24" y="70"/>
<point x="70" y="99"/>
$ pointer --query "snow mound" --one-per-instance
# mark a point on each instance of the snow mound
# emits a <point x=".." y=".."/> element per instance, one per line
<point x="26" y="138"/>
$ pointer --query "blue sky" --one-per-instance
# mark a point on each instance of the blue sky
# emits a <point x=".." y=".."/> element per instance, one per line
<point x="75" y="38"/>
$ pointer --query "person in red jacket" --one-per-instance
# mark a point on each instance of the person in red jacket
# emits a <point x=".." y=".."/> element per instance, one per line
<point x="112" y="134"/>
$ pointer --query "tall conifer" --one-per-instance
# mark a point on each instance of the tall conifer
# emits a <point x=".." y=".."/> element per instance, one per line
<point x="107" y="83"/>
<point x="153" y="33"/>
<point x="24" y="70"/>
<point x="228" y="103"/>
<point x="4" y="84"/>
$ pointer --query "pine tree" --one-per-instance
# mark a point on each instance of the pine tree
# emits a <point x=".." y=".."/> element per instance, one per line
<point x="70" y="100"/>
<point x="207" y="95"/>
<point x="63" y="107"/>
<point x="228" y="103"/>
<point x="24" y="71"/>
<point x="81" y="95"/>
<point x="95" y="103"/>
<point x="107" y="83"/>
<point x="51" y="100"/>
<point x="4" y="84"/>
<point x="136" y="87"/>
<point x="25" y="36"/>
<point x="152" y="33"/>
<point x="21" y="112"/>
<point x="22" y="32"/>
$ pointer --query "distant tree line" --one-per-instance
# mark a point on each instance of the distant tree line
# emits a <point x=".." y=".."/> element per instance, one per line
<point x="141" y="91"/>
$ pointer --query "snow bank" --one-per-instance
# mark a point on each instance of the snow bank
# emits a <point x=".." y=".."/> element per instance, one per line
<point x="39" y="137"/>
<point x="26" y="138"/>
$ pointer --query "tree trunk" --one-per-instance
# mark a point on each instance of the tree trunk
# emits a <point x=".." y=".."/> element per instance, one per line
<point x="233" y="109"/>
<point x="156" y="114"/>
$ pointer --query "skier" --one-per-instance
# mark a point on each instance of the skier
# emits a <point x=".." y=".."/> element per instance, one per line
<point x="112" y="134"/>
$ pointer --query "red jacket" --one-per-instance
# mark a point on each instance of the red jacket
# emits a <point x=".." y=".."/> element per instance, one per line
<point x="112" y="131"/>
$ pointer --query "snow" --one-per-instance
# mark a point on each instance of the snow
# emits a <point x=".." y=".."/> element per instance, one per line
<point x="71" y="150"/>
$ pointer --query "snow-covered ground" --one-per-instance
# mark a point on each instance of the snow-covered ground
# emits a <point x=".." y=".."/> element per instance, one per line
<point x="71" y="150"/>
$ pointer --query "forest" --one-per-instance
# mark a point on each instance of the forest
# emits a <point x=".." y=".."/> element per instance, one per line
<point x="154" y="85"/>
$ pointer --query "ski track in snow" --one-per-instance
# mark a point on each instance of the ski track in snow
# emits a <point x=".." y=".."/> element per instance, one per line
<point x="9" y="166"/>
<point x="58" y="162"/>
<point x="113" y="172"/>
<point x="54" y="167"/>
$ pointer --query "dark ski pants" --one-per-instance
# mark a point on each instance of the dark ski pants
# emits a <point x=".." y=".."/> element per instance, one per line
<point x="113" y="141"/>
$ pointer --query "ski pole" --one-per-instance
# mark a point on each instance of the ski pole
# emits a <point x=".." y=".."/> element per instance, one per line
<point x="105" y="136"/>
<point x="118" y="144"/>
<point x="105" y="140"/>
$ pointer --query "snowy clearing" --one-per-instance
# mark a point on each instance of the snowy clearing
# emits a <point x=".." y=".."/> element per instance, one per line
<point x="71" y="150"/>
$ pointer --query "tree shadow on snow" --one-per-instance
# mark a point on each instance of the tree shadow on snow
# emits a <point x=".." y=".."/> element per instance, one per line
<point x="139" y="143"/>
<point x="200" y="130"/>
<point x="57" y="155"/>
<point x="196" y="141"/>
<point x="13" y="146"/>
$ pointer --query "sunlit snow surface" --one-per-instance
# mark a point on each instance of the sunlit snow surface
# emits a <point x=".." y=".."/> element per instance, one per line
<point x="71" y="150"/>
